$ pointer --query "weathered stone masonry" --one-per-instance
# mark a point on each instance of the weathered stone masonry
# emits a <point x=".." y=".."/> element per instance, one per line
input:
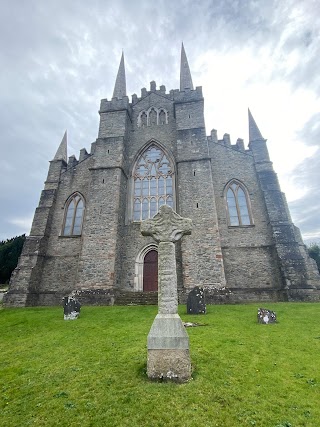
<point x="262" y="258"/>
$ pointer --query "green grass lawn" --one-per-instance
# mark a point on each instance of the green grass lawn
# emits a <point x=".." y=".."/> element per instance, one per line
<point x="92" y="371"/>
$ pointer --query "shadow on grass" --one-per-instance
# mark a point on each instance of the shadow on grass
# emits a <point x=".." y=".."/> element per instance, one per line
<point x="142" y="371"/>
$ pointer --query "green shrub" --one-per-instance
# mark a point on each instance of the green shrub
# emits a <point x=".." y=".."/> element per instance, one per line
<point x="10" y="250"/>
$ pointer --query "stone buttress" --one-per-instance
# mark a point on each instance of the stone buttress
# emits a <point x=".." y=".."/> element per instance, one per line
<point x="99" y="271"/>
<point x="299" y="275"/>
<point x="25" y="282"/>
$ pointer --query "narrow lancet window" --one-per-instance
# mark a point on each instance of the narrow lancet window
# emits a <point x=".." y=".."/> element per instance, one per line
<point x="74" y="216"/>
<point x="153" y="183"/>
<point x="238" y="205"/>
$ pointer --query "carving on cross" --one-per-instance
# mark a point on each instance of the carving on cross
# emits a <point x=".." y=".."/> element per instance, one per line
<point x="166" y="226"/>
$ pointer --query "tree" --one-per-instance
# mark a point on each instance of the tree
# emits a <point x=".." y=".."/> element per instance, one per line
<point x="10" y="250"/>
<point x="314" y="252"/>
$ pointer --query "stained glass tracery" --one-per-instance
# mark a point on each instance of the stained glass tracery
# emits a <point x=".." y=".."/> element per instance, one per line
<point x="74" y="217"/>
<point x="153" y="183"/>
<point x="237" y="205"/>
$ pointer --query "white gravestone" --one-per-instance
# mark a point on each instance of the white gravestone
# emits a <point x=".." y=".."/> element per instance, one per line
<point x="168" y="342"/>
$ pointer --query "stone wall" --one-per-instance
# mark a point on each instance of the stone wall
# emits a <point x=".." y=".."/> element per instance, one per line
<point x="249" y="254"/>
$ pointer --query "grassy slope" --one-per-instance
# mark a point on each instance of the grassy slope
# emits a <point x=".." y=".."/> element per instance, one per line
<point x="91" y="372"/>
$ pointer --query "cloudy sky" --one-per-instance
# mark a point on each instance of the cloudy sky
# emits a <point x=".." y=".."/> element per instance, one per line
<point x="58" y="58"/>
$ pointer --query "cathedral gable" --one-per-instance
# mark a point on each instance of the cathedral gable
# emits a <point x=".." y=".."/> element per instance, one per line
<point x="153" y="110"/>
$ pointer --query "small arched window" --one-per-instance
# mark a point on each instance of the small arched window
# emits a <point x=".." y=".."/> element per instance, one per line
<point x="73" y="216"/>
<point x="162" y="117"/>
<point x="238" y="204"/>
<point x="153" y="183"/>
<point x="153" y="117"/>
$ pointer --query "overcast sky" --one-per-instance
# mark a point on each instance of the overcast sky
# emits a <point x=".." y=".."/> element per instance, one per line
<point x="59" y="58"/>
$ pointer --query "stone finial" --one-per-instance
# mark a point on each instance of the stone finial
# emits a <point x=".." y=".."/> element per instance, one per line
<point x="254" y="132"/>
<point x="226" y="139"/>
<point x="134" y="98"/>
<point x="120" y="86"/>
<point x="214" y="135"/>
<point x="240" y="144"/>
<point x="185" y="75"/>
<point x="143" y="92"/>
<point x="72" y="161"/>
<point x="166" y="225"/>
<point x="61" y="153"/>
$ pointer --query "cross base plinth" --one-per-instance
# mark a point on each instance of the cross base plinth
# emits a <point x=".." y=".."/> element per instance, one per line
<point x="168" y="349"/>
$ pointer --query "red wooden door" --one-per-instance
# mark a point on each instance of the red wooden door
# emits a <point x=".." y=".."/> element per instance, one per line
<point x="150" y="272"/>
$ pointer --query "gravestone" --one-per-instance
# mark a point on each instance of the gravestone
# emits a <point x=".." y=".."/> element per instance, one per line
<point x="168" y="342"/>
<point x="196" y="301"/>
<point x="71" y="308"/>
<point x="266" y="316"/>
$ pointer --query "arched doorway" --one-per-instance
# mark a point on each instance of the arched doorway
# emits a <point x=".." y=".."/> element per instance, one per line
<point x="150" y="272"/>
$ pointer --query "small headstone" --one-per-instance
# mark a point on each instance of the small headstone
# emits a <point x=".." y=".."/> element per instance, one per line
<point x="71" y="308"/>
<point x="196" y="301"/>
<point x="266" y="316"/>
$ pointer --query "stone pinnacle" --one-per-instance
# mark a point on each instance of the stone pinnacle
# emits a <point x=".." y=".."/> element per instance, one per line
<point x="185" y="75"/>
<point x="120" y="86"/>
<point x="61" y="153"/>
<point x="254" y="132"/>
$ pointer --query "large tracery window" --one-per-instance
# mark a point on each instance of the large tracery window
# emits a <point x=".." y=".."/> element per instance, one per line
<point x="238" y="205"/>
<point x="153" y="183"/>
<point x="74" y="216"/>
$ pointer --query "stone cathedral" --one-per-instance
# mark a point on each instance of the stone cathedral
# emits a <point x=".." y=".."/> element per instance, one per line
<point x="86" y="240"/>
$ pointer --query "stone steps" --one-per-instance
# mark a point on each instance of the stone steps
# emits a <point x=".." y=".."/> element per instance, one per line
<point x="136" y="298"/>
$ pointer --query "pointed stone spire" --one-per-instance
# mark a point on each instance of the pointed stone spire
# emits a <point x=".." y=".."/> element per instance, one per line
<point x="61" y="153"/>
<point x="120" y="86"/>
<point x="254" y="132"/>
<point x="185" y="75"/>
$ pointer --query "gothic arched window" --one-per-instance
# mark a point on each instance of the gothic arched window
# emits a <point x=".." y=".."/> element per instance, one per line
<point x="152" y="183"/>
<point x="162" y="117"/>
<point x="153" y="117"/>
<point x="238" y="204"/>
<point x="73" y="216"/>
<point x="143" y="119"/>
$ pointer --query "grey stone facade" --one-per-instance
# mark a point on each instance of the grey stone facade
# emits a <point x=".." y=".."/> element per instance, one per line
<point x="261" y="261"/>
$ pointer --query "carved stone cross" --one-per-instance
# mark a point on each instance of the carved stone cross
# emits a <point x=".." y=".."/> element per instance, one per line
<point x="167" y="227"/>
<point x="168" y="342"/>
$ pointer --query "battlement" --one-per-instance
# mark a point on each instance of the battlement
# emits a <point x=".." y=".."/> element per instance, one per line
<point x="116" y="104"/>
<point x="72" y="161"/>
<point x="187" y="95"/>
<point x="176" y="95"/>
<point x="226" y="141"/>
<point x="153" y="89"/>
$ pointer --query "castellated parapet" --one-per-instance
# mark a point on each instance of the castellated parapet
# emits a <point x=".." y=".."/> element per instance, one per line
<point x="175" y="95"/>
<point x="114" y="105"/>
<point x="85" y="237"/>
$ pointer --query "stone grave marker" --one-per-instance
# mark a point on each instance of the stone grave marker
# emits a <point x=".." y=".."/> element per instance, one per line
<point x="71" y="308"/>
<point x="196" y="301"/>
<point x="266" y="316"/>
<point x="168" y="342"/>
